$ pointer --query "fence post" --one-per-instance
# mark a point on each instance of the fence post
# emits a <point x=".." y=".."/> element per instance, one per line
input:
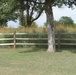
<point x="15" y="40"/>
<point x="59" y="40"/>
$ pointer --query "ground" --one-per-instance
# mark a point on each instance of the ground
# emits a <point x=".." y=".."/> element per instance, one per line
<point x="36" y="61"/>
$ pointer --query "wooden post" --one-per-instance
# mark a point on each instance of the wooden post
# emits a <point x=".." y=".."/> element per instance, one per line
<point x="59" y="40"/>
<point x="15" y="40"/>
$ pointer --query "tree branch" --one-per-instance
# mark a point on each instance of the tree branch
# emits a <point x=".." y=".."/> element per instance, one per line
<point x="32" y="10"/>
<point x="38" y="15"/>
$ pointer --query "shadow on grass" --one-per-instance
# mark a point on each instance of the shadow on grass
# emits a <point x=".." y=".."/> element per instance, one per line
<point x="38" y="49"/>
<point x="33" y="49"/>
<point x="73" y="50"/>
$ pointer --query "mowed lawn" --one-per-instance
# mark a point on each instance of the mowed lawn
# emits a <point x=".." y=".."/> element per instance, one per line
<point x="35" y="61"/>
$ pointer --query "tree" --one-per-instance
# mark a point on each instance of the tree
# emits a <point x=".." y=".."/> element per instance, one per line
<point x="25" y="23"/>
<point x="7" y="12"/>
<point x="50" y="20"/>
<point x="55" y="22"/>
<point x="50" y="26"/>
<point x="21" y="7"/>
<point x="66" y="20"/>
<point x="34" y="24"/>
<point x="31" y="7"/>
<point x="50" y="23"/>
<point x="45" y="24"/>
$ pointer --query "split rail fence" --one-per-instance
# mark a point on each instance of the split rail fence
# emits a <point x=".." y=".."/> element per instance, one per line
<point x="14" y="39"/>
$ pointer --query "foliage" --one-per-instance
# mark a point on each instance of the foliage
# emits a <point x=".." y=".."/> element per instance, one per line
<point x="34" y="24"/>
<point x="33" y="8"/>
<point x="45" y="24"/>
<point x="24" y="23"/>
<point x="11" y="10"/>
<point x="66" y="20"/>
<point x="55" y="22"/>
<point x="7" y="11"/>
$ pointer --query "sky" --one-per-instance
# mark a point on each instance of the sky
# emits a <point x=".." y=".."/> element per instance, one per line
<point x="57" y="13"/>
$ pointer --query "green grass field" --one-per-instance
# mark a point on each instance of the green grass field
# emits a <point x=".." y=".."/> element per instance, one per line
<point x="35" y="61"/>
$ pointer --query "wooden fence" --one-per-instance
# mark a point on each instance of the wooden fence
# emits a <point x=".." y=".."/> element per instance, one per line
<point x="14" y="39"/>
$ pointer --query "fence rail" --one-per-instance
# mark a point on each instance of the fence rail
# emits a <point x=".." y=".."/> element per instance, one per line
<point x="14" y="39"/>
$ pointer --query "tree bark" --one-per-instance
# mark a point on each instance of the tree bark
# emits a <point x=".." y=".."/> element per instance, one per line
<point x="50" y="26"/>
<point x="22" y="18"/>
<point x="29" y="23"/>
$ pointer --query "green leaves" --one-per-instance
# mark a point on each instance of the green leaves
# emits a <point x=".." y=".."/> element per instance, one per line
<point x="66" y="20"/>
<point x="7" y="11"/>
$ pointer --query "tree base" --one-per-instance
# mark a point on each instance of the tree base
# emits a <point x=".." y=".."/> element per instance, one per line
<point x="50" y="50"/>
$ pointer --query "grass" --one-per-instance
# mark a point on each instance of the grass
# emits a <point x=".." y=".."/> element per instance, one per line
<point x="35" y="61"/>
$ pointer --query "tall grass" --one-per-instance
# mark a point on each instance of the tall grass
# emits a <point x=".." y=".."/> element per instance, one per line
<point x="62" y="28"/>
<point x="58" y="28"/>
<point x="24" y="30"/>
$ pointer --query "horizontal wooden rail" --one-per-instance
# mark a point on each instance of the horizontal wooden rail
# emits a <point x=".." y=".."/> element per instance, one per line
<point x="67" y="43"/>
<point x="31" y="43"/>
<point x="31" y="33"/>
<point x="6" y="38"/>
<point x="6" y="44"/>
<point x="31" y="38"/>
<point x="66" y="38"/>
<point x="6" y="33"/>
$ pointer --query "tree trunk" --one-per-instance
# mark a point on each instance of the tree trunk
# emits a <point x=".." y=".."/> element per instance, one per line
<point x="29" y="23"/>
<point x="22" y="18"/>
<point x="50" y="26"/>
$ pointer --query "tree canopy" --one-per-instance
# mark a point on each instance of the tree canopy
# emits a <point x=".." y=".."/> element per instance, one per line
<point x="7" y="11"/>
<point x="66" y="20"/>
